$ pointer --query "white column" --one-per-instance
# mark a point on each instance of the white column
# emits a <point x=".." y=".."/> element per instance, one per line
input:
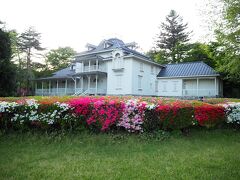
<point x="57" y="87"/>
<point x="97" y="64"/>
<point x="89" y="65"/>
<point x="215" y="82"/>
<point x="42" y="88"/>
<point x="89" y="83"/>
<point x="49" y="87"/>
<point x="66" y="87"/>
<point x="197" y="87"/>
<point x="96" y="85"/>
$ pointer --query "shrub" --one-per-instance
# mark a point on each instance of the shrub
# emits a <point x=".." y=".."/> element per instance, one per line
<point x="133" y="114"/>
<point x="233" y="113"/>
<point x="112" y="113"/>
<point x="176" y="115"/>
<point x="100" y="114"/>
<point x="209" y="115"/>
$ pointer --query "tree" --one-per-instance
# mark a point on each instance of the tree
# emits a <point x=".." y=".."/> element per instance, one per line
<point x="201" y="52"/>
<point x="29" y="44"/>
<point x="7" y="68"/>
<point x="228" y="37"/>
<point x="171" y="42"/>
<point x="59" y="58"/>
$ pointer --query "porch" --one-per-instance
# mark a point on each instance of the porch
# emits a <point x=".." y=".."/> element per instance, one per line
<point x="79" y="85"/>
<point x="201" y="87"/>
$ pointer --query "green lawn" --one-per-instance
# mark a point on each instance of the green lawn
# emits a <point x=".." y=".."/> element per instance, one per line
<point x="212" y="154"/>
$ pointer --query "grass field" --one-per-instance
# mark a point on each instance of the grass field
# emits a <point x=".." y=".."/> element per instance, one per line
<point x="212" y="154"/>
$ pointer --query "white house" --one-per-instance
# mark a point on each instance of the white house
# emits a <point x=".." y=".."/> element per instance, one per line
<point x="115" y="68"/>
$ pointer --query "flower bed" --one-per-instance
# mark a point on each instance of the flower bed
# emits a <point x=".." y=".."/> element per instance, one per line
<point x="113" y="113"/>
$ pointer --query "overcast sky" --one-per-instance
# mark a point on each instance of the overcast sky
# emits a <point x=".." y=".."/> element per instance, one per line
<point x="77" y="22"/>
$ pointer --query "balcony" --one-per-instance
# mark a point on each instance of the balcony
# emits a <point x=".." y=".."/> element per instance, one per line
<point x="93" y="68"/>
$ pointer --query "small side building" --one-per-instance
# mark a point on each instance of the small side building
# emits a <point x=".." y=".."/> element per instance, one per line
<point x="191" y="79"/>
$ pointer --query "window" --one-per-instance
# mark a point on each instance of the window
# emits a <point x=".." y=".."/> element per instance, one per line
<point x="141" y="67"/>
<point x="106" y="45"/>
<point x="140" y="82"/>
<point x="174" y="86"/>
<point x="118" y="62"/>
<point x="156" y="86"/>
<point x="117" y="55"/>
<point x="152" y="69"/>
<point x="72" y="67"/>
<point x="164" y="86"/>
<point x="119" y="81"/>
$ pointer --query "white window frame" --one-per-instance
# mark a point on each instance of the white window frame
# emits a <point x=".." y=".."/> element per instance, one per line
<point x="118" y="81"/>
<point x="156" y="86"/>
<point x="152" y="69"/>
<point x="140" y="82"/>
<point x="141" y="67"/>
<point x="164" y="83"/>
<point x="175" y="86"/>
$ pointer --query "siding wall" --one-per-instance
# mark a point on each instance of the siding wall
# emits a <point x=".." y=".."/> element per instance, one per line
<point x="170" y="87"/>
<point x="148" y="78"/>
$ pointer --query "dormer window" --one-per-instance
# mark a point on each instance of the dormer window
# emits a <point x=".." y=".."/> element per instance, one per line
<point x="117" y="56"/>
<point x="106" y="44"/>
<point x="90" y="47"/>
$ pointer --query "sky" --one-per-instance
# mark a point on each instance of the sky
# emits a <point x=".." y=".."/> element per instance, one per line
<point x="75" y="23"/>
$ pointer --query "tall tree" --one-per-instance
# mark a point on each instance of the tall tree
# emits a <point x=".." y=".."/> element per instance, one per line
<point x="7" y="68"/>
<point x="59" y="58"/>
<point x="171" y="42"/>
<point x="228" y="37"/>
<point x="29" y="43"/>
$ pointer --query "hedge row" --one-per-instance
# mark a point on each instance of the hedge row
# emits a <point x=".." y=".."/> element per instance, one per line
<point x="107" y="114"/>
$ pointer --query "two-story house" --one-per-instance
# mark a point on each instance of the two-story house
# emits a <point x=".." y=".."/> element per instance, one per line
<point x="115" y="68"/>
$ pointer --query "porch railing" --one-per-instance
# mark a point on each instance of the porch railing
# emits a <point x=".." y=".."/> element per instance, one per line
<point x="94" y="68"/>
<point x="199" y="92"/>
<point x="68" y="91"/>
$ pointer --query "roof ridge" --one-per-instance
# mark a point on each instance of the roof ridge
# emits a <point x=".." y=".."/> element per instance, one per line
<point x="190" y="62"/>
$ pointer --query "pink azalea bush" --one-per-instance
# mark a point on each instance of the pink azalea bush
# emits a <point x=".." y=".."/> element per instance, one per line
<point x="133" y="116"/>
<point x="98" y="112"/>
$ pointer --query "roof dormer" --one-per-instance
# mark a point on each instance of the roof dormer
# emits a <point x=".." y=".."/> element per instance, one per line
<point x="90" y="47"/>
<point x="107" y="44"/>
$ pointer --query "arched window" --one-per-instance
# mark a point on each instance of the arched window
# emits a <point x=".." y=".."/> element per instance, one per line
<point x="117" y="56"/>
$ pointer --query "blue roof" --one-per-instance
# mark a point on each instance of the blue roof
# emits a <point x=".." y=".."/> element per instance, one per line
<point x="114" y="43"/>
<point x="187" y="69"/>
<point x="63" y="73"/>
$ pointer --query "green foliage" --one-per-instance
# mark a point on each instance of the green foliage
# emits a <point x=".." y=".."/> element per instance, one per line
<point x="7" y="69"/>
<point x="59" y="58"/>
<point x="177" y="117"/>
<point x="201" y="52"/>
<point x="28" y="43"/>
<point x="151" y="121"/>
<point x="228" y="36"/>
<point x="171" y="42"/>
